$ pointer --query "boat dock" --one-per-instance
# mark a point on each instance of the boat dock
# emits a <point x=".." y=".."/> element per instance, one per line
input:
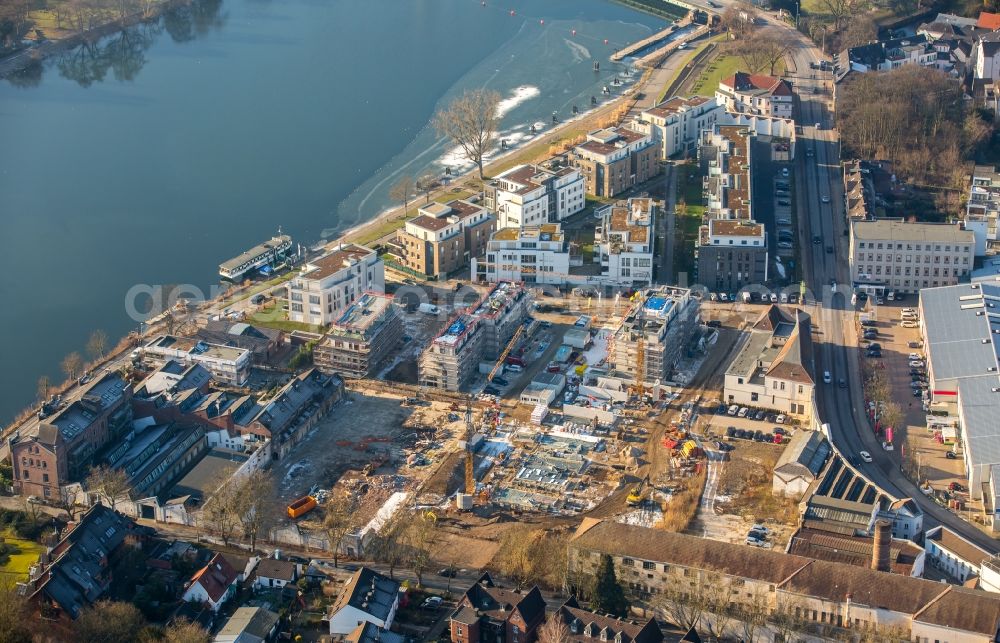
<point x="260" y="255"/>
<point x="639" y="45"/>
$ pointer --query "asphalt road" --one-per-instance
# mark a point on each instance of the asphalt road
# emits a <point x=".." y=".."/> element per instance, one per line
<point x="836" y="344"/>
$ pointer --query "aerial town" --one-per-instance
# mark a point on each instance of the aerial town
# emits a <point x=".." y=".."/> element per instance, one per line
<point x="717" y="358"/>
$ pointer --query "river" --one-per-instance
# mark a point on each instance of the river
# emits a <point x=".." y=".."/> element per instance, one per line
<point x="155" y="154"/>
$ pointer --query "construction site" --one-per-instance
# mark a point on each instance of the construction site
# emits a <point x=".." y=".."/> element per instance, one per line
<point x="563" y="411"/>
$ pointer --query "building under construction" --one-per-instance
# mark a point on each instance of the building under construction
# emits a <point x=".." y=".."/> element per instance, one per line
<point x="368" y="331"/>
<point x="653" y="335"/>
<point x="473" y="337"/>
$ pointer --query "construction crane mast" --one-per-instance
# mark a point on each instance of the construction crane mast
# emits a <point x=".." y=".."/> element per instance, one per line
<point x="503" y="355"/>
<point x="470" y="476"/>
<point x="640" y="365"/>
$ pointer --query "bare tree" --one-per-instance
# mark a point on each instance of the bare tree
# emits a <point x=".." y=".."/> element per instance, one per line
<point x="738" y="19"/>
<point x="402" y="191"/>
<point x="763" y="52"/>
<point x="892" y="415"/>
<point x="109" y="622"/>
<point x="339" y="520"/>
<point x="786" y="620"/>
<point x="110" y="483"/>
<point x="419" y="538"/>
<point x="252" y="493"/>
<point x="219" y="513"/>
<point x="71" y="365"/>
<point x="471" y="122"/>
<point x="751" y="614"/>
<point x="14" y="621"/>
<point x="389" y="547"/>
<point x="184" y="631"/>
<point x="425" y="183"/>
<point x="841" y="10"/>
<point x="97" y="344"/>
<point x="860" y="31"/>
<point x="43" y="387"/>
<point x="554" y="630"/>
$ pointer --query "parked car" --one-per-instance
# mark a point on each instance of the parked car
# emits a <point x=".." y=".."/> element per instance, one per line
<point x="733" y="410"/>
<point x="951" y="455"/>
<point x="759" y="415"/>
<point x="956" y="486"/>
<point x="761" y="528"/>
<point x="755" y="542"/>
<point x="780" y="419"/>
<point x="448" y="572"/>
<point x="909" y="323"/>
<point x="491" y="390"/>
<point x="743" y="412"/>
<point x="784" y="222"/>
<point x="784" y="202"/>
<point x="713" y="323"/>
<point x="432" y="603"/>
<point x="785" y="244"/>
<point x="779" y="431"/>
<point x="731" y="432"/>
<point x="501" y="381"/>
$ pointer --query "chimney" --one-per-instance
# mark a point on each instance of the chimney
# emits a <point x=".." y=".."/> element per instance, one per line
<point x="880" y="547"/>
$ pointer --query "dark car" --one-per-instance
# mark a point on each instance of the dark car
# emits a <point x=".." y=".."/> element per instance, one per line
<point x="778" y="430"/>
<point x="829" y="250"/>
<point x="713" y="323"/>
<point x="956" y="486"/>
<point x="875" y="346"/>
<point x="731" y="432"/>
<point x="759" y="415"/>
<point x="491" y="390"/>
<point x="501" y="381"/>
<point x="950" y="455"/>
<point x="760" y="436"/>
<point x="448" y="572"/>
<point x="743" y="435"/>
<point x="842" y="383"/>
<point x="784" y="202"/>
<point x="772" y="417"/>
<point x="868" y="322"/>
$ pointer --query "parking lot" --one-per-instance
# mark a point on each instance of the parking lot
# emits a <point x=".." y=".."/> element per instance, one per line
<point x="922" y="447"/>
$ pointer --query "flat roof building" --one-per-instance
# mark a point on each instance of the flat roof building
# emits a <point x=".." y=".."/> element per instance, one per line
<point x="616" y="159"/>
<point x="530" y="254"/>
<point x="662" y="320"/>
<point x="443" y="238"/>
<point x="907" y="256"/>
<point x="677" y="122"/>
<point x="365" y="334"/>
<point x="229" y="364"/>
<point x="531" y="195"/>
<point x="624" y="241"/>
<point x="982" y="210"/>
<point x="329" y="285"/>
<point x="731" y="254"/>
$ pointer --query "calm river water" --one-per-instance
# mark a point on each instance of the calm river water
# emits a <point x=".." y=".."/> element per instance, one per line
<point x="156" y="154"/>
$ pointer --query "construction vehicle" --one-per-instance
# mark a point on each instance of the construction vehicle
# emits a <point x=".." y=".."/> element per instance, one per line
<point x="637" y="495"/>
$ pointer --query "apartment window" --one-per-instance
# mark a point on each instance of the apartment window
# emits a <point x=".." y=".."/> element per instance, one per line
<point x="648" y="565"/>
<point x="628" y="562"/>
<point x="45" y="477"/>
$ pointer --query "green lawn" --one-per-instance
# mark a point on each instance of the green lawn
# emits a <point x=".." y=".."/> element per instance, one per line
<point x="691" y="56"/>
<point x="276" y="318"/>
<point x="720" y="67"/>
<point x="17" y="567"/>
<point x="689" y="189"/>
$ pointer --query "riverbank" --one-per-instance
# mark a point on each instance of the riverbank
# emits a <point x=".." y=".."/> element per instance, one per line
<point x="21" y="60"/>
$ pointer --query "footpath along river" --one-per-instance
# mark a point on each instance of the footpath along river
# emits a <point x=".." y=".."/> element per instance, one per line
<point x="153" y="155"/>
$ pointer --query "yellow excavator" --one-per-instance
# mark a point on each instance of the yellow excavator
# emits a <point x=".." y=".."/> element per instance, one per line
<point x="638" y="494"/>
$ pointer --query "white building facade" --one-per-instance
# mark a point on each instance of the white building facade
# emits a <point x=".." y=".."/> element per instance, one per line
<point x="328" y="285"/>
<point x="677" y="122"/>
<point x="530" y="195"/>
<point x="625" y="241"/>
<point x="532" y="254"/>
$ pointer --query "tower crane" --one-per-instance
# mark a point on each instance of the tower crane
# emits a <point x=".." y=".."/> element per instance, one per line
<point x="470" y="476"/>
<point x="503" y="355"/>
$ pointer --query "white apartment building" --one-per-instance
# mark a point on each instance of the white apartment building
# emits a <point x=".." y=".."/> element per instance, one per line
<point x="983" y="207"/>
<point x="530" y="195"/>
<point x="904" y="256"/>
<point x="327" y="286"/>
<point x="531" y="254"/>
<point x="624" y="241"/>
<point x="677" y="122"/>
<point x="727" y="186"/>
<point x="892" y="54"/>
<point x="755" y="94"/>
<point x="774" y="368"/>
<point x="986" y="57"/>
<point x="227" y="364"/>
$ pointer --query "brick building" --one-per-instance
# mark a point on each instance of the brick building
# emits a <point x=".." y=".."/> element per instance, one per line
<point x="490" y="614"/>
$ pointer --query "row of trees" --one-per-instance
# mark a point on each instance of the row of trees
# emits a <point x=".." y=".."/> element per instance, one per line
<point x="758" y="52"/>
<point x="240" y="505"/>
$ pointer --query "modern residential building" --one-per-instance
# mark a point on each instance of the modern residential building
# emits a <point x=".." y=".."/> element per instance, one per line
<point x="677" y="122"/>
<point x="62" y="447"/>
<point x="77" y="572"/>
<point x="367" y="332"/>
<point x="530" y="254"/>
<point x="624" y="241"/>
<point x="725" y="157"/>
<point x="327" y="286"/>
<point x="443" y="238"/>
<point x="800" y="464"/>
<point x="892" y="54"/>
<point x="227" y="364"/>
<point x="841" y="597"/>
<point x="614" y="160"/>
<point x="213" y="584"/>
<point x="774" y="366"/>
<point x="477" y="335"/>
<point x="956" y="557"/>
<point x="959" y="328"/>
<point x="530" y="195"/>
<point x="983" y="207"/>
<point x="654" y="333"/>
<point x="893" y="254"/>
<point x="755" y="94"/>
<point x="453" y="356"/>
<point x="731" y="254"/>
<point x="491" y="614"/>
<point x="367" y="597"/>
<point x="261" y="342"/>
